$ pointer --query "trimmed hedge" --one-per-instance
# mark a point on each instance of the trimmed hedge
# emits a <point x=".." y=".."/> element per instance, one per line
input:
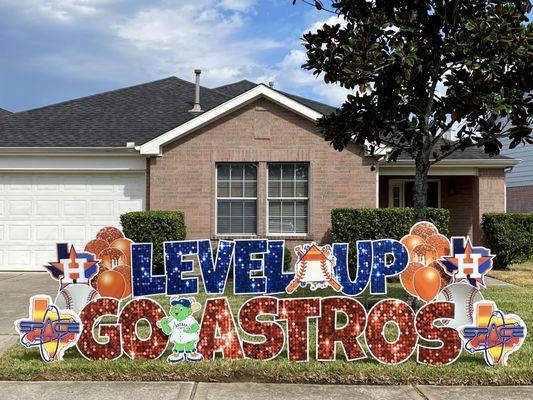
<point x="509" y="236"/>
<point x="352" y="224"/>
<point x="154" y="227"/>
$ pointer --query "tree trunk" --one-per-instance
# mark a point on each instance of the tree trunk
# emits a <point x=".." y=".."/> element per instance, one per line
<point x="421" y="187"/>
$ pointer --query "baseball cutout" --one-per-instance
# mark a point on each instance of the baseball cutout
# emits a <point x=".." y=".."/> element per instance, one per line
<point x="75" y="296"/>
<point x="464" y="296"/>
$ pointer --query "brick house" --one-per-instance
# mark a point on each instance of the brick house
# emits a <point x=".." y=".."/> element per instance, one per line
<point x="250" y="163"/>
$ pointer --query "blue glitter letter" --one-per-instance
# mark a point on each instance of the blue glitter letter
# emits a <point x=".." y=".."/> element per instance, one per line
<point x="277" y="281"/>
<point x="175" y="266"/>
<point x="143" y="282"/>
<point x="364" y="265"/>
<point x="380" y="269"/>
<point x="215" y="274"/>
<point x="244" y="265"/>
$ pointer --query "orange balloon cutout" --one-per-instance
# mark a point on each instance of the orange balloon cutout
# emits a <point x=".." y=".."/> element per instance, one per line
<point x="424" y="254"/>
<point x="406" y="277"/>
<point x="125" y="271"/>
<point x="440" y="243"/>
<point x="111" y="284"/>
<point x="124" y="245"/>
<point x="411" y="241"/>
<point x="426" y="281"/>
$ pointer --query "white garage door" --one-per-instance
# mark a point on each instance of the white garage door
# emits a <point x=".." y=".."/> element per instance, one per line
<point x="38" y="210"/>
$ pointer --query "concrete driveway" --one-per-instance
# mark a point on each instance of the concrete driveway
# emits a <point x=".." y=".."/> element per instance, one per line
<point x="16" y="289"/>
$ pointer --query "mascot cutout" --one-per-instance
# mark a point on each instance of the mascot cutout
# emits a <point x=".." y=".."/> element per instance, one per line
<point x="183" y="329"/>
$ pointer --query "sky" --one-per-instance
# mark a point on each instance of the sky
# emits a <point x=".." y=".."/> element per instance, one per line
<point x="56" y="50"/>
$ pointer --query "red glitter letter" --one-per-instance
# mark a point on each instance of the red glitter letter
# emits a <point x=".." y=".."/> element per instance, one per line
<point x="89" y="316"/>
<point x="451" y="345"/>
<point x="272" y="332"/>
<point x="381" y="349"/>
<point x="217" y="313"/>
<point x="135" y="347"/>
<point x="329" y="334"/>
<point x="297" y="313"/>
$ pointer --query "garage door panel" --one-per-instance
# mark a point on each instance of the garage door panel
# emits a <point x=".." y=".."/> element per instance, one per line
<point x="77" y="208"/>
<point x="102" y="208"/>
<point x="39" y="210"/>
<point x="47" y="208"/>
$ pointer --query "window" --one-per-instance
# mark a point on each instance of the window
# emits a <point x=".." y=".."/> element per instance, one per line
<point x="287" y="198"/>
<point x="236" y="199"/>
<point x="401" y="193"/>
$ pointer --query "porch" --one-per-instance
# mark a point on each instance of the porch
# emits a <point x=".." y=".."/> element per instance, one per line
<point x="467" y="192"/>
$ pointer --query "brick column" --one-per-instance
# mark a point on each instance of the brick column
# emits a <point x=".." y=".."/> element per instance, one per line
<point x="489" y="196"/>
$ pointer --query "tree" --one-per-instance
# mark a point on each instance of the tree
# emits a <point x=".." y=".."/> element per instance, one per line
<point x="417" y="69"/>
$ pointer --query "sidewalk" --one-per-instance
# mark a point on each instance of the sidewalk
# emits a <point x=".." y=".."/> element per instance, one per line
<point x="255" y="391"/>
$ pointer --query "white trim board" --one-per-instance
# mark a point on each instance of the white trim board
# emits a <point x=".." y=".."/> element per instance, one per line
<point x="154" y="146"/>
<point x="72" y="163"/>
<point x="437" y="170"/>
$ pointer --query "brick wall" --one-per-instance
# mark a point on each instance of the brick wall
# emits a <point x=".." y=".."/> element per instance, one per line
<point x="520" y="199"/>
<point x="183" y="177"/>
<point x="489" y="196"/>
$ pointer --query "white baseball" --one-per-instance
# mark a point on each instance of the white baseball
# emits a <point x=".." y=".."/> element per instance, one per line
<point x="464" y="296"/>
<point x="74" y="297"/>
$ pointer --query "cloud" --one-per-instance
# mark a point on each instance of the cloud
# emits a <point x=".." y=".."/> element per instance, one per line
<point x="288" y="75"/>
<point x="104" y="44"/>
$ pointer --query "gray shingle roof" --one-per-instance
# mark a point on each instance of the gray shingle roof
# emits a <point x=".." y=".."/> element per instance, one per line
<point x="470" y="153"/>
<point x="237" y="88"/>
<point x="134" y="114"/>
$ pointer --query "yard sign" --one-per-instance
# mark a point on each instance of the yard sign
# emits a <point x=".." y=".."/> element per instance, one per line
<point x="112" y="278"/>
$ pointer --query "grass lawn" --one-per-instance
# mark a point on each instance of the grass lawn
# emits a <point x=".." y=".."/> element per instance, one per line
<point x="517" y="274"/>
<point x="21" y="364"/>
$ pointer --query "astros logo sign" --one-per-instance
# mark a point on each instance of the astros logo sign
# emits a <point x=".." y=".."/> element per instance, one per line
<point x="495" y="334"/>
<point x="50" y="329"/>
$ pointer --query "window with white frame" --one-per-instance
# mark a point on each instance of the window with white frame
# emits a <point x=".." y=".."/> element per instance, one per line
<point x="236" y="198"/>
<point x="287" y="198"/>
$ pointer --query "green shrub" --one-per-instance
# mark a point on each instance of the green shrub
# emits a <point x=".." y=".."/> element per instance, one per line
<point x="352" y="224"/>
<point x="154" y="227"/>
<point x="287" y="259"/>
<point x="509" y="236"/>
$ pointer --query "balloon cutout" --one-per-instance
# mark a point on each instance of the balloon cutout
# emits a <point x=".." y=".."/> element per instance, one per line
<point x="96" y="246"/>
<point x="406" y="277"/>
<point x="426" y="281"/>
<point x="424" y="277"/>
<point x="111" y="284"/>
<point x="109" y="234"/>
<point x="124" y="245"/>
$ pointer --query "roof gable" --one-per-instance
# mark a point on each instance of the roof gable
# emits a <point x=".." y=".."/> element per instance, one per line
<point x="154" y="147"/>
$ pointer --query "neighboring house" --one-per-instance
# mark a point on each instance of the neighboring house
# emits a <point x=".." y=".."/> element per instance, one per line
<point x="250" y="164"/>
<point x="520" y="179"/>
<point x="4" y="112"/>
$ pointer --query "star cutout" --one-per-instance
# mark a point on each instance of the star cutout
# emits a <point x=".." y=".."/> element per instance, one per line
<point x="467" y="263"/>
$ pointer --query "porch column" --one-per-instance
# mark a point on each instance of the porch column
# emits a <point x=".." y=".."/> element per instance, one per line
<point x="489" y="196"/>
